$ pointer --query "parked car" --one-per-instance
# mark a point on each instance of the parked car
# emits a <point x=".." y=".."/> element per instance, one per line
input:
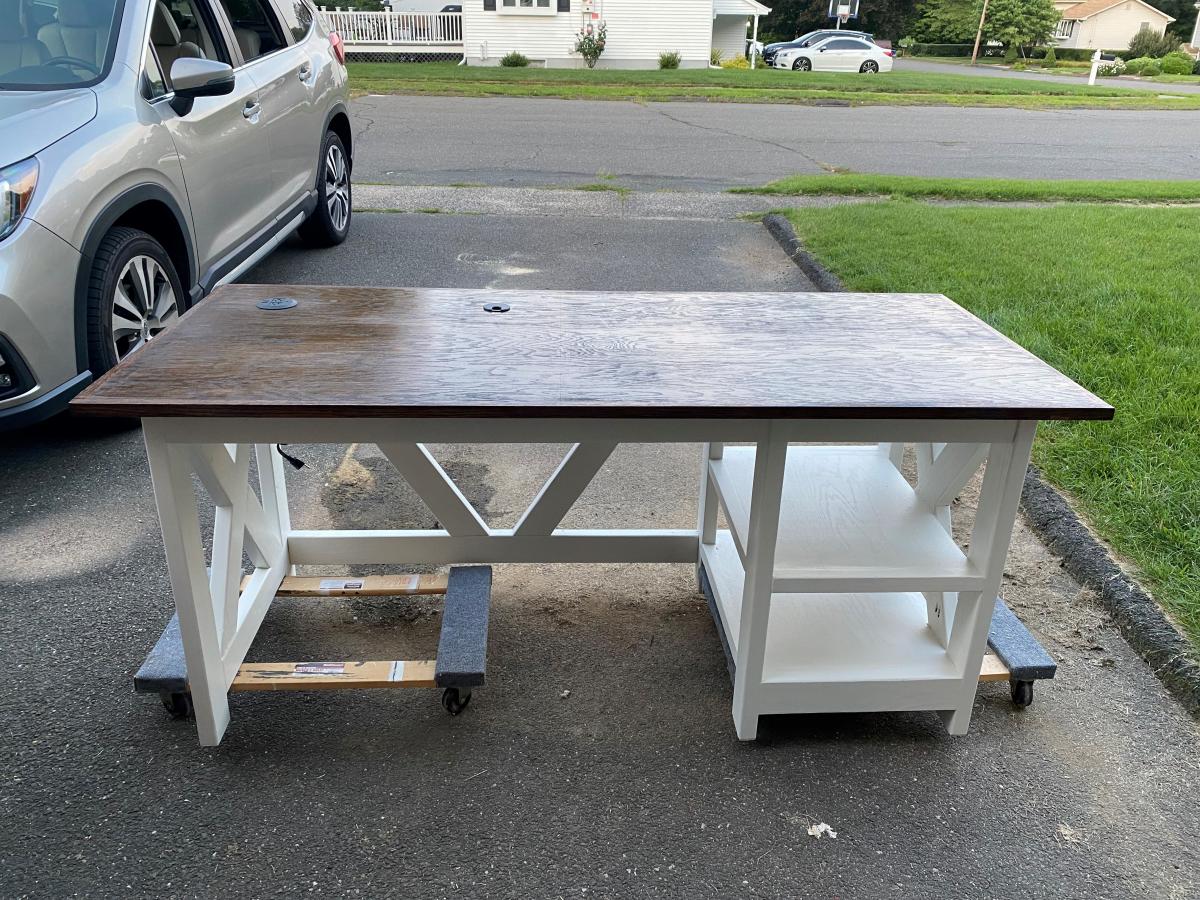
<point x="808" y="40"/>
<point x="837" y="54"/>
<point x="149" y="153"/>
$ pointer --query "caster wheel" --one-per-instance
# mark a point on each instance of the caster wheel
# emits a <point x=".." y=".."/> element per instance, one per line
<point x="1022" y="693"/>
<point x="455" y="700"/>
<point x="178" y="705"/>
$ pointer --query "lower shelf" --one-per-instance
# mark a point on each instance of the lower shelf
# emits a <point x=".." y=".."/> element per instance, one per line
<point x="833" y="638"/>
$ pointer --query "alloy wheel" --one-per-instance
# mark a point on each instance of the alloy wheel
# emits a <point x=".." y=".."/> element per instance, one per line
<point x="143" y="304"/>
<point x="870" y="67"/>
<point x="337" y="187"/>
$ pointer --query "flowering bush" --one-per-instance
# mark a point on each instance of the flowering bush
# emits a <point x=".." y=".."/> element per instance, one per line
<point x="738" y="62"/>
<point x="590" y="43"/>
<point x="1111" y="67"/>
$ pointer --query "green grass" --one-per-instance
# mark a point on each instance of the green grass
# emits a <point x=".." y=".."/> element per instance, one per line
<point x="853" y="183"/>
<point x="1107" y="295"/>
<point x="602" y="186"/>
<point x="745" y="86"/>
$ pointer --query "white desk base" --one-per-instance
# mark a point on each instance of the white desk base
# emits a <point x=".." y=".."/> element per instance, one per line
<point x="839" y="585"/>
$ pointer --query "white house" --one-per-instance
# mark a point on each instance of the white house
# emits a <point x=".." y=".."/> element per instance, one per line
<point x="637" y="30"/>
<point x="1106" y="24"/>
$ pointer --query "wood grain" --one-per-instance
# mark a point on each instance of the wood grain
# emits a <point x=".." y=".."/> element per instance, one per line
<point x="368" y="585"/>
<point x="395" y="352"/>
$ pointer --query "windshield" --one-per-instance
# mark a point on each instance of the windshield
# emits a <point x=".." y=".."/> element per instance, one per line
<point x="56" y="44"/>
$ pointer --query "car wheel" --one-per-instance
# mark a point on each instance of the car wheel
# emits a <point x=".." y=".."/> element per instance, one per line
<point x="329" y="223"/>
<point x="870" y="67"/>
<point x="802" y="64"/>
<point x="134" y="294"/>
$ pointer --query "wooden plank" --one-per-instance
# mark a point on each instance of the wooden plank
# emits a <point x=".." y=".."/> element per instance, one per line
<point x="993" y="669"/>
<point x="365" y="586"/>
<point x="331" y="676"/>
<point x="402" y="353"/>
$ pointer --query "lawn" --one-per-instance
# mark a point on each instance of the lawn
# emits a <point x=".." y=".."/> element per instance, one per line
<point x="1107" y="295"/>
<point x="853" y="183"/>
<point x="745" y="86"/>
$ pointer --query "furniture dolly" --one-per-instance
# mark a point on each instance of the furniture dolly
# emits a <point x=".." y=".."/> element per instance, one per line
<point x="836" y="587"/>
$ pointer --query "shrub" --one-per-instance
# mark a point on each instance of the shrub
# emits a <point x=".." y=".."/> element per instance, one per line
<point x="514" y="60"/>
<point x="1196" y="68"/>
<point x="1147" y="43"/>
<point x="1112" y="67"/>
<point x="589" y="43"/>
<point x="1177" y="63"/>
<point x="1019" y="66"/>
<point x="1010" y="54"/>
<point x="1151" y="69"/>
<point x="738" y="62"/>
<point x="1135" y="66"/>
<point x="906" y="43"/>
<point x="1051" y="58"/>
<point x="669" y="59"/>
<point x="715" y="55"/>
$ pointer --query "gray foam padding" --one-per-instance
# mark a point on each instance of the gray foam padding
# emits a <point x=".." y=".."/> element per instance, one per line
<point x="462" y="648"/>
<point x="164" y="670"/>
<point x="1026" y="659"/>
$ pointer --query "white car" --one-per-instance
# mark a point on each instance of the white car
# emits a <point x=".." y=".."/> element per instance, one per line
<point x="837" y="54"/>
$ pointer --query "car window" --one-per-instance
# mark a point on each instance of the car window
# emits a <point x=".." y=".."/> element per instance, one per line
<point x="297" y="17"/>
<point x="153" y="83"/>
<point x="844" y="44"/>
<point x="55" y="44"/>
<point x="196" y="27"/>
<point x="255" y="27"/>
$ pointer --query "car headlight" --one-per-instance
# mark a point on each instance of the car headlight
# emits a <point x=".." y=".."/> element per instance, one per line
<point x="16" y="190"/>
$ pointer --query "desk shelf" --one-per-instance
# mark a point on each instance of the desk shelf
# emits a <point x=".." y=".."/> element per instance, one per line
<point x="837" y="645"/>
<point x="848" y="522"/>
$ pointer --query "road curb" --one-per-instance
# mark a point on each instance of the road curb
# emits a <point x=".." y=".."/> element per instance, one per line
<point x="785" y="235"/>
<point x="1143" y="623"/>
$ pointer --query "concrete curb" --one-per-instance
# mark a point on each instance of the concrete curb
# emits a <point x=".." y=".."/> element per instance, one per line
<point x="781" y="229"/>
<point x="1142" y="622"/>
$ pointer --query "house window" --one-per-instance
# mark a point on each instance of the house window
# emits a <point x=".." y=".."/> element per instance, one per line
<point x="528" y="7"/>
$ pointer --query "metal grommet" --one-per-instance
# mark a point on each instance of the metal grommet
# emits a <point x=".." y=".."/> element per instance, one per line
<point x="277" y="303"/>
<point x="496" y="307"/>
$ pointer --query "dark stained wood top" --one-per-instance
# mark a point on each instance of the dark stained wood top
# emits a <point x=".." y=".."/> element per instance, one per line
<point x="397" y="352"/>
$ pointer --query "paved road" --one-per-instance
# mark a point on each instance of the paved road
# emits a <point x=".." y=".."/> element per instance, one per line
<point x="921" y="65"/>
<point x="633" y="785"/>
<point x="712" y="146"/>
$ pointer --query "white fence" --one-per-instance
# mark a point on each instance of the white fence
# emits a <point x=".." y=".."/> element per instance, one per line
<point x="394" y="28"/>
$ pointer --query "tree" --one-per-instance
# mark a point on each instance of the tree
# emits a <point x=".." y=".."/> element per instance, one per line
<point x="947" y="21"/>
<point x="883" y="18"/>
<point x="1020" y="23"/>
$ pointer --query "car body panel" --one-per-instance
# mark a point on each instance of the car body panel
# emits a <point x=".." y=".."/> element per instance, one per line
<point x="825" y="56"/>
<point x="35" y="120"/>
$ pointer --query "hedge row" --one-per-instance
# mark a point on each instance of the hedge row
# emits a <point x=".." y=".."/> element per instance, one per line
<point x="1062" y="53"/>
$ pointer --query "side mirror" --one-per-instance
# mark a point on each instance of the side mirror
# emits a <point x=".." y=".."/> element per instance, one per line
<point x="192" y="78"/>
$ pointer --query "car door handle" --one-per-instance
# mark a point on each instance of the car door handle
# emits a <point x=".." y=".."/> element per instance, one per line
<point x="251" y="109"/>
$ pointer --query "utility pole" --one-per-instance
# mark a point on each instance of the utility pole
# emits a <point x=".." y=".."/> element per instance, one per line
<point x="979" y="33"/>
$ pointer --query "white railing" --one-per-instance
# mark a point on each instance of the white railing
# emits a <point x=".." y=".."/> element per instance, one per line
<point x="359" y="27"/>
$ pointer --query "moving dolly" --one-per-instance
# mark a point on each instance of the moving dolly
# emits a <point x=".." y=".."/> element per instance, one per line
<point x="459" y="667"/>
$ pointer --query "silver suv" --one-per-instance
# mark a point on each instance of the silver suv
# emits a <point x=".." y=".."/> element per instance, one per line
<point x="151" y="150"/>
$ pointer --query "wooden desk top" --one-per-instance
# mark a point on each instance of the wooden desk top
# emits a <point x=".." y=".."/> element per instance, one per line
<point x="395" y="352"/>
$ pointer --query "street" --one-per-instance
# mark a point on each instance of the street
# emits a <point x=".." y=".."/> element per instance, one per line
<point x="713" y="146"/>
<point x="600" y="759"/>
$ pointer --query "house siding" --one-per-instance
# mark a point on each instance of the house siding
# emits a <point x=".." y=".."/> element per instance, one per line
<point x="1115" y="27"/>
<point x="729" y="35"/>
<point x="637" y="32"/>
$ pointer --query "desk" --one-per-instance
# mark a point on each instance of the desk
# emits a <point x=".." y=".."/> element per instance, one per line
<point x="837" y="584"/>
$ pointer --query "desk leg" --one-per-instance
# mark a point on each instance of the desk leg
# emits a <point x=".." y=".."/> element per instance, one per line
<point x="765" y="499"/>
<point x="709" y="505"/>
<point x="999" y="498"/>
<point x="177" y="514"/>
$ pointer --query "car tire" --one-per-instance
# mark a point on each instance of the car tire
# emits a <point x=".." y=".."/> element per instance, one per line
<point x="329" y="223"/>
<point x="134" y="293"/>
<point x="870" y="67"/>
<point x="803" y="64"/>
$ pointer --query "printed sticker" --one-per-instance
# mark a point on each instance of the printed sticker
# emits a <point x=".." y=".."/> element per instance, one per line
<point x="340" y="584"/>
<point x="320" y="668"/>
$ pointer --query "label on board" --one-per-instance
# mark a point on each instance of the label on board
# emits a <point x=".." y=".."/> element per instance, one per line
<point x="320" y="668"/>
<point x="397" y="671"/>
<point x="340" y="584"/>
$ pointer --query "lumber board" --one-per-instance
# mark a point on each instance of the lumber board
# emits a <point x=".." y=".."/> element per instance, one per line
<point x="364" y="586"/>
<point x="335" y="675"/>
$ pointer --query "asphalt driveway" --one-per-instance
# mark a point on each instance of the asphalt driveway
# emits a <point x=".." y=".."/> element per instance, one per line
<point x="600" y="760"/>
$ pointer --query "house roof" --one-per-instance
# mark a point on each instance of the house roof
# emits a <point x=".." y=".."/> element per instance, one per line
<point x="1090" y="8"/>
<point x="739" y="8"/>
